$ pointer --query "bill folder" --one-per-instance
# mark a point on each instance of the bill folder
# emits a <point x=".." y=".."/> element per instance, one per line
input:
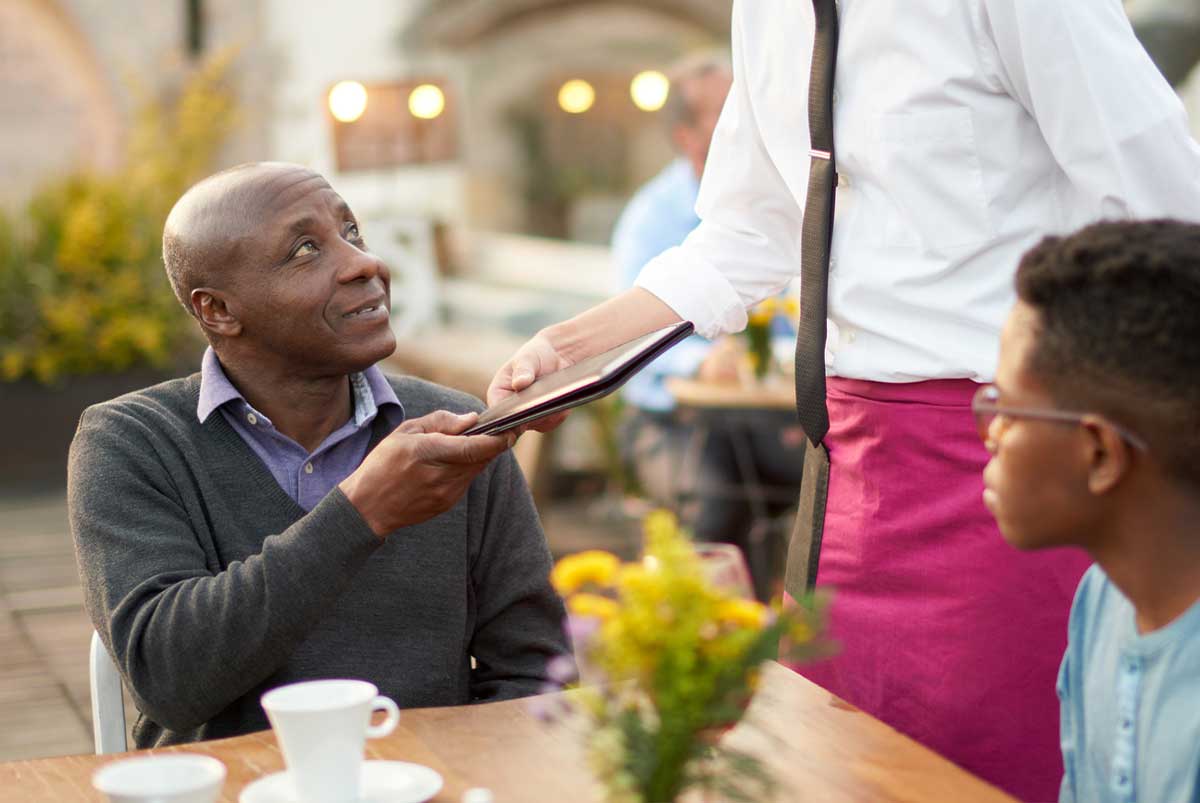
<point x="578" y="384"/>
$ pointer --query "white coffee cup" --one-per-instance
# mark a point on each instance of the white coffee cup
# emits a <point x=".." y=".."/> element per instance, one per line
<point x="165" y="778"/>
<point x="321" y="726"/>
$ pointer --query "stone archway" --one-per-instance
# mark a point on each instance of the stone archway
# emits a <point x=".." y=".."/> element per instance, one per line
<point x="58" y="111"/>
<point x="457" y="23"/>
<point x="504" y="57"/>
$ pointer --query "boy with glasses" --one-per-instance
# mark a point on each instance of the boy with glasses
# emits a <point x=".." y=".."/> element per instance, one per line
<point x="1093" y="427"/>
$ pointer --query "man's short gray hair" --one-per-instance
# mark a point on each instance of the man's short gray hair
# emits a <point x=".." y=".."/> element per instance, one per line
<point x="677" y="110"/>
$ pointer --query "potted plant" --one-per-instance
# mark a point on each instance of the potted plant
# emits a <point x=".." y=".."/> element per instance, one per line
<point x="86" y="311"/>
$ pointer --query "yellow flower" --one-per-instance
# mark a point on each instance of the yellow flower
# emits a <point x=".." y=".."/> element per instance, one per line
<point x="13" y="364"/>
<point x="659" y="524"/>
<point x="791" y="306"/>
<point x="593" y="567"/>
<point x="742" y="613"/>
<point x="636" y="580"/>
<point x="801" y="632"/>
<point x="592" y="605"/>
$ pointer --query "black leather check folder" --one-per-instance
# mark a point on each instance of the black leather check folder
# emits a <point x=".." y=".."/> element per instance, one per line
<point x="583" y="382"/>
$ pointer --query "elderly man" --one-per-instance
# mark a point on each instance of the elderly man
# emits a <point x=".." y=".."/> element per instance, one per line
<point x="289" y="512"/>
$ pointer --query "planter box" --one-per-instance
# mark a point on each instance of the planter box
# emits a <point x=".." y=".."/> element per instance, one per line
<point x="37" y="423"/>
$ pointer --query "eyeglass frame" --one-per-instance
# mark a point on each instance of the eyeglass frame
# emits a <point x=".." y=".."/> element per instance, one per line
<point x="984" y="402"/>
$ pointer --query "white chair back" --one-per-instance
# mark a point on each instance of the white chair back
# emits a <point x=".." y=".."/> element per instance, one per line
<point x="108" y="701"/>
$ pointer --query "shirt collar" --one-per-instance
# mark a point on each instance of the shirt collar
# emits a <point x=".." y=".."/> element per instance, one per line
<point x="372" y="392"/>
<point x="215" y="387"/>
<point x="370" y="389"/>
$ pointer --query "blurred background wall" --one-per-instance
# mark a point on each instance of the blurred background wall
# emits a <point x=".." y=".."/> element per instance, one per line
<point x="72" y="73"/>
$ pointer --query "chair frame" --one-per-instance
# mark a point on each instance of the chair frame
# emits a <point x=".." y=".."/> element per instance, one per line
<point x="108" y="700"/>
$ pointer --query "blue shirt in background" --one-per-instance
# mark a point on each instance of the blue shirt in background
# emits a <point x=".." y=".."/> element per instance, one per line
<point x="1130" y="703"/>
<point x="659" y="216"/>
<point x="306" y="477"/>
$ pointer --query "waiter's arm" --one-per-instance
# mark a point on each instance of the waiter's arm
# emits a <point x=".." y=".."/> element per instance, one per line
<point x="745" y="249"/>
<point x="1113" y="123"/>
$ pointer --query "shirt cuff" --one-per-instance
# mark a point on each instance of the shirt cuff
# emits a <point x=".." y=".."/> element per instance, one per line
<point x="696" y="291"/>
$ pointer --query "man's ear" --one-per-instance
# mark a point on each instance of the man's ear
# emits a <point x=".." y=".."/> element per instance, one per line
<point x="1110" y="457"/>
<point x="210" y="308"/>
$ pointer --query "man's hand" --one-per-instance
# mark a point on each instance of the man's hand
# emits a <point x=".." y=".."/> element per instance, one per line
<point x="420" y="470"/>
<point x="534" y="359"/>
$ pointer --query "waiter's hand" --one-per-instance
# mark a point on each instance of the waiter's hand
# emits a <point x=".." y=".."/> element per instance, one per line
<point x="534" y="359"/>
<point x="634" y="313"/>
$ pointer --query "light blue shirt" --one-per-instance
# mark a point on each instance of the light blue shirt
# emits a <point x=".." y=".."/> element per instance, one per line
<point x="1130" y="703"/>
<point x="659" y="216"/>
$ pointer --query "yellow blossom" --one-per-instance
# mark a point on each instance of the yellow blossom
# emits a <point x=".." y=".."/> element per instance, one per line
<point x="592" y="605"/>
<point x="637" y="580"/>
<point x="800" y="632"/>
<point x="659" y="525"/>
<point x="593" y="567"/>
<point x="742" y="613"/>
<point x="791" y="307"/>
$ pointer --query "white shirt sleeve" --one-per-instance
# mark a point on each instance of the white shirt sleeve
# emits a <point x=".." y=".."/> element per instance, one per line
<point x="746" y="247"/>
<point x="1114" y="125"/>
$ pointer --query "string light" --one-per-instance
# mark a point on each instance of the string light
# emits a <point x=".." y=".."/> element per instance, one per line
<point x="426" y="102"/>
<point x="347" y="101"/>
<point x="576" y="96"/>
<point x="649" y="90"/>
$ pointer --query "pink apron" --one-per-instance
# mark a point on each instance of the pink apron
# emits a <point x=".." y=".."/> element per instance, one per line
<point x="946" y="632"/>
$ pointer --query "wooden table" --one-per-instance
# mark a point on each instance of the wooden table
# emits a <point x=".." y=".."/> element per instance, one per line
<point x="821" y="750"/>
<point x="774" y="393"/>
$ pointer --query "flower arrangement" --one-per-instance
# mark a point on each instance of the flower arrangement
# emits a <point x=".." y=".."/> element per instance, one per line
<point x="677" y="660"/>
<point x="758" y="329"/>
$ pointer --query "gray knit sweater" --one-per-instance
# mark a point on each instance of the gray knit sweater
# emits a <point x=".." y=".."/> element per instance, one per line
<point x="210" y="585"/>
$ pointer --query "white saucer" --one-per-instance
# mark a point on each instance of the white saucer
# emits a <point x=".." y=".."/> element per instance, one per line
<point x="381" y="782"/>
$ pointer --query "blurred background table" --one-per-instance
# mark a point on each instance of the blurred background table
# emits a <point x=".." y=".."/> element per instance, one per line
<point x="735" y="411"/>
<point x="820" y="749"/>
<point x="774" y="393"/>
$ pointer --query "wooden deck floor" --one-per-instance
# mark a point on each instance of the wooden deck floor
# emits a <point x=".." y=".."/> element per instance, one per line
<point x="44" y="632"/>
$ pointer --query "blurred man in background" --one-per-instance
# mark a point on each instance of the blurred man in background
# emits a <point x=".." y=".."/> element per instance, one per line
<point x="660" y="216"/>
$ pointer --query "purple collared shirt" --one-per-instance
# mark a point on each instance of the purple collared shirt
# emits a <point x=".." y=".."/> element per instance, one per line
<point x="306" y="477"/>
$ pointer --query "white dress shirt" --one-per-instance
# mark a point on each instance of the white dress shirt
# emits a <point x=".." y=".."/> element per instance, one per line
<point x="965" y="131"/>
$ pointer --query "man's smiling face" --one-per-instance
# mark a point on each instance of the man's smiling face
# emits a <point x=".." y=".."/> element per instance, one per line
<point x="300" y="279"/>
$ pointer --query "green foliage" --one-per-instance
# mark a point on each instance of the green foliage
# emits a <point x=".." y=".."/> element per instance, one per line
<point x="82" y="286"/>
<point x="606" y="416"/>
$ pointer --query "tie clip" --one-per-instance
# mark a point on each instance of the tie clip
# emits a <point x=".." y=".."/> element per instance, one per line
<point x="817" y="154"/>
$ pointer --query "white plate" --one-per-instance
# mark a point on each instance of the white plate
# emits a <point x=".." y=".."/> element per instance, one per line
<point x="381" y="782"/>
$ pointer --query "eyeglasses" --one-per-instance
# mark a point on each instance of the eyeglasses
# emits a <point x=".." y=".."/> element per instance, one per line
<point x="986" y="406"/>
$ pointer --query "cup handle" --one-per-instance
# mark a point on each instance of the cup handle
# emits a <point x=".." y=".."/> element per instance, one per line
<point x="389" y="723"/>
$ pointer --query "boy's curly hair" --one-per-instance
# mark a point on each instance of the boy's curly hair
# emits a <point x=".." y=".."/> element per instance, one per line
<point x="1119" y="310"/>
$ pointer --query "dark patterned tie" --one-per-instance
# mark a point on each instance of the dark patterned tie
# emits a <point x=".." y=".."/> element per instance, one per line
<point x="818" y="229"/>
